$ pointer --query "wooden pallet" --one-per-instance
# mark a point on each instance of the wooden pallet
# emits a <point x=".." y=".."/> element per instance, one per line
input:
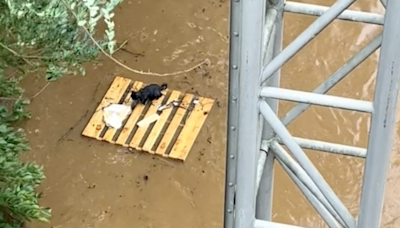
<point x="173" y="135"/>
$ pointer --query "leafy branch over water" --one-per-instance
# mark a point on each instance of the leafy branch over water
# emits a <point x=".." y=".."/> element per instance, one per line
<point x="36" y="36"/>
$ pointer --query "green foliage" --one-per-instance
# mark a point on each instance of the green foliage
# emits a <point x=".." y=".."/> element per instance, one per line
<point x="56" y="36"/>
<point x="48" y="33"/>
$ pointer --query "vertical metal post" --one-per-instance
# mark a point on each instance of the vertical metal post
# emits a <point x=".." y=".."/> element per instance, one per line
<point x="248" y="127"/>
<point x="382" y="121"/>
<point x="233" y="114"/>
<point x="273" y="33"/>
<point x="244" y="125"/>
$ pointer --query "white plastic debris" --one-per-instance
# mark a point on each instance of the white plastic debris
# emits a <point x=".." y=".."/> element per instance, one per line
<point x="148" y="120"/>
<point x="162" y="107"/>
<point x="115" y="114"/>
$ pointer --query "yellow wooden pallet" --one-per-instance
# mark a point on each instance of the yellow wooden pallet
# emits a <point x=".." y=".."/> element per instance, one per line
<point x="173" y="135"/>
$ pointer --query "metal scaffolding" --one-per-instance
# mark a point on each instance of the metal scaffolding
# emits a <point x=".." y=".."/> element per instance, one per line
<point x="255" y="133"/>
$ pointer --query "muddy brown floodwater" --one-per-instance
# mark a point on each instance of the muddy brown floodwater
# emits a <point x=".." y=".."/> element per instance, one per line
<point x="91" y="184"/>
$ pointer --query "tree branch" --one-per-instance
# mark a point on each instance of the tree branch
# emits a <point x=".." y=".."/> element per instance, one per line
<point x="22" y="56"/>
<point x="123" y="65"/>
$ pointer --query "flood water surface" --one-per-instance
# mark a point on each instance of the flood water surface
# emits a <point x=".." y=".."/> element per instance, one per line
<point x="94" y="184"/>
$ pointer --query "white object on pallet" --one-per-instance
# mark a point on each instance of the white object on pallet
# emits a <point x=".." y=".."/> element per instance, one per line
<point x="148" y="120"/>
<point x="115" y="114"/>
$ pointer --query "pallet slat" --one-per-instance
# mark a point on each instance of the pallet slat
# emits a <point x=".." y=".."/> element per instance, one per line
<point x="191" y="129"/>
<point x="158" y="126"/>
<point x="131" y="122"/>
<point x="141" y="131"/>
<point x="179" y="144"/>
<point x="113" y="95"/>
<point x="173" y="126"/>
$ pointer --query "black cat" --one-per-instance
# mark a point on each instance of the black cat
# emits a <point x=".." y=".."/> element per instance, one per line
<point x="148" y="93"/>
